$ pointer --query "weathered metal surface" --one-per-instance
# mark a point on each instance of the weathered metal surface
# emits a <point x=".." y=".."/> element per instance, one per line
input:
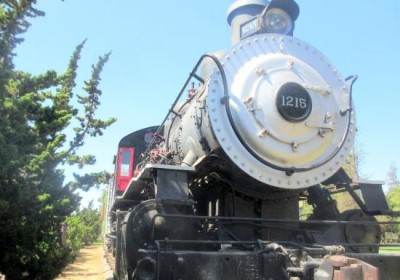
<point x="345" y="268"/>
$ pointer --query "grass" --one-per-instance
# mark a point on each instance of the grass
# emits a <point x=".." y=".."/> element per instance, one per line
<point x="389" y="250"/>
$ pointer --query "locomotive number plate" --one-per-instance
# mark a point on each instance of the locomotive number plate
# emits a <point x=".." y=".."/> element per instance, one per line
<point x="293" y="102"/>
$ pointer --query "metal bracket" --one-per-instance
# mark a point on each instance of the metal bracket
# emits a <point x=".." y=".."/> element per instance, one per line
<point x="171" y="186"/>
<point x="374" y="200"/>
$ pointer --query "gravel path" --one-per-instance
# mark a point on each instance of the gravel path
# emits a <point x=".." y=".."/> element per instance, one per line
<point x="89" y="265"/>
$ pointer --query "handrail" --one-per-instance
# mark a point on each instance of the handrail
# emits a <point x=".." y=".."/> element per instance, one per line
<point x="171" y="110"/>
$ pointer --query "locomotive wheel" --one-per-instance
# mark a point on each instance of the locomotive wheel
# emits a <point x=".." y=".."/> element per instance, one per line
<point x="124" y="256"/>
<point x="135" y="233"/>
<point x="121" y="265"/>
<point x="361" y="233"/>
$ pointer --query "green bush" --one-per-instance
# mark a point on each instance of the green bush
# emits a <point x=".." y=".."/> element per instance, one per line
<point x="83" y="228"/>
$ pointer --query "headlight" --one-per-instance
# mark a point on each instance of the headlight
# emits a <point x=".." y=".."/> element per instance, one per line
<point x="278" y="21"/>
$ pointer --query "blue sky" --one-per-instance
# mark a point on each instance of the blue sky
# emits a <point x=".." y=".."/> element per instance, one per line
<point x="155" y="44"/>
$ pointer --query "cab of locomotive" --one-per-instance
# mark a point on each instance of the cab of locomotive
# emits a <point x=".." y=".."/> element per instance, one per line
<point x="250" y="17"/>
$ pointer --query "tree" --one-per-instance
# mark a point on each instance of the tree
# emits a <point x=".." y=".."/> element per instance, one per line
<point x="84" y="228"/>
<point x="35" y="112"/>
<point x="393" y="195"/>
<point x="103" y="202"/>
<point x="392" y="180"/>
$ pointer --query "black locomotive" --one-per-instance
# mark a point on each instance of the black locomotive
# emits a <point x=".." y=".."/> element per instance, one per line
<point x="214" y="191"/>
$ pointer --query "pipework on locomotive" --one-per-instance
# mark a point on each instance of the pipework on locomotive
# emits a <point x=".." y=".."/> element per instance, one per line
<point x="213" y="192"/>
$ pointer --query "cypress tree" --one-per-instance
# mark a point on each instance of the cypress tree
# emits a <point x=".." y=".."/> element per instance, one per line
<point x="35" y="112"/>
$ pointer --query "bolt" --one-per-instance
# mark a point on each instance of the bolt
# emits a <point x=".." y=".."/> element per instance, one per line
<point x="290" y="64"/>
<point x="263" y="133"/>
<point x="260" y="72"/>
<point x="295" y="146"/>
<point x="248" y="101"/>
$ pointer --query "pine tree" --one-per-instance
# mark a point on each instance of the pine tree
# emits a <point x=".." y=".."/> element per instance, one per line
<point x="35" y="112"/>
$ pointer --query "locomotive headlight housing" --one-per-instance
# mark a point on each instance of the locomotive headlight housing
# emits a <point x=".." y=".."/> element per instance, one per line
<point x="278" y="16"/>
<point x="278" y="21"/>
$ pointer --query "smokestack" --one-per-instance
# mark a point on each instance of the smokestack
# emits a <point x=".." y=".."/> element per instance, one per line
<point x="241" y="12"/>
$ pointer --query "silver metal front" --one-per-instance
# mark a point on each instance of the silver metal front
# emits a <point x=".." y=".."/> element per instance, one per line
<point x="265" y="142"/>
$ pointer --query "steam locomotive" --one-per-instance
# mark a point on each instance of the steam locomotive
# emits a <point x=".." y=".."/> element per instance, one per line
<point x="214" y="191"/>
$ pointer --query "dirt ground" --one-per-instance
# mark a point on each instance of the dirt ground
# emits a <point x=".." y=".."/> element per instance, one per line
<point x="89" y="265"/>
